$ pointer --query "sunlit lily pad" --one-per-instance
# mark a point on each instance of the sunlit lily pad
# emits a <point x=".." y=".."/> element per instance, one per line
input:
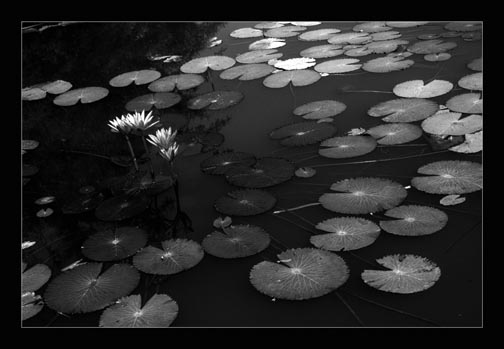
<point x="303" y="133"/>
<point x="452" y="124"/>
<point x="247" y="202"/>
<point x="437" y="57"/>
<point x="84" y="95"/>
<point x="320" y="109"/>
<point x="34" y="278"/>
<point x="450" y="177"/>
<point x="450" y="200"/>
<point x="85" y="289"/>
<point x="284" y="32"/>
<point x="385" y="46"/>
<point x="414" y="220"/>
<point x="473" y="82"/>
<point x="247" y="72"/>
<point x="371" y="27"/>
<point x="139" y="77"/>
<point x="218" y="164"/>
<point x="56" y="87"/>
<point x="294" y="63"/>
<point x="200" y="65"/>
<point x="473" y="143"/>
<point x="305" y="172"/>
<point x="44" y="212"/>
<point x="405" y="24"/>
<point x="122" y="207"/>
<point x="159" y="311"/>
<point x="418" y="89"/>
<point x="236" y="241"/>
<point x="343" y="65"/>
<point x="266" y="172"/>
<point x="306" y="24"/>
<point x="45" y="200"/>
<point x="349" y="38"/>
<point x="215" y="100"/>
<point x="347" y="146"/>
<point x="432" y="46"/>
<point x="114" y="245"/>
<point x="31" y="305"/>
<point x="322" y="51"/>
<point x="470" y="103"/>
<point x="464" y="26"/>
<point x="395" y="133"/>
<point x="363" y="195"/>
<point x="32" y="94"/>
<point x="246" y="33"/>
<point x="266" y="44"/>
<point x="407" y="274"/>
<point x="269" y="25"/>
<point x="319" y="34"/>
<point x="404" y="109"/>
<point x="29" y="144"/>
<point x="387" y="64"/>
<point x="180" y="82"/>
<point x="304" y="273"/>
<point x="176" y="255"/>
<point x="476" y="64"/>
<point x="258" y="56"/>
<point x="160" y="100"/>
<point x="345" y="234"/>
<point x="385" y="35"/>
<point x="302" y="77"/>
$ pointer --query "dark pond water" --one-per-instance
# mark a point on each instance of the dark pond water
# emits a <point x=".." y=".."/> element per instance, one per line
<point x="76" y="145"/>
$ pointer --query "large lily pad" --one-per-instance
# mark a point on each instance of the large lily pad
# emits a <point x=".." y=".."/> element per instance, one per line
<point x="349" y="38"/>
<point x="473" y="82"/>
<point x="266" y="44"/>
<point x="247" y="72"/>
<point x="476" y="64"/>
<point x="450" y="177"/>
<point x="345" y="234"/>
<point x="266" y="172"/>
<point x="302" y="77"/>
<point x="414" y="220"/>
<point x="284" y="32"/>
<point x="395" y="133"/>
<point x="407" y="274"/>
<point x="242" y="33"/>
<point x="446" y="123"/>
<point x="215" y="100"/>
<point x="236" y="241"/>
<point x="34" y="278"/>
<point x="320" y="109"/>
<point x="418" y="89"/>
<point x="304" y="273"/>
<point x="258" y="56"/>
<point x="303" y="133"/>
<point x="363" y="195"/>
<point x="218" y="164"/>
<point x="200" y="65"/>
<point x="387" y="64"/>
<point x="322" y="51"/>
<point x="160" y="100"/>
<point x="122" y="207"/>
<point x="84" y="95"/>
<point x="347" y="146"/>
<point x="337" y="66"/>
<point x="180" y="82"/>
<point x="159" y="311"/>
<point x="139" y="77"/>
<point x="470" y="103"/>
<point x="319" y="34"/>
<point x="176" y="255"/>
<point x="371" y="27"/>
<point x="85" y="289"/>
<point x="431" y="46"/>
<point x="247" y="202"/>
<point x="404" y="109"/>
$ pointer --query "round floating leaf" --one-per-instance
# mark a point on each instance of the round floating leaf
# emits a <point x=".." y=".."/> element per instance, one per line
<point x="404" y="109"/>
<point x="305" y="172"/>
<point x="56" y="87"/>
<point x="266" y="44"/>
<point x="473" y="143"/>
<point x="303" y="133"/>
<point x="84" y="95"/>
<point x="180" y="82"/>
<point x="349" y="38"/>
<point x="322" y="51"/>
<point x="346" y="234"/>
<point x="404" y="24"/>
<point x="304" y="273"/>
<point x="122" y="207"/>
<point x="218" y="164"/>
<point x="437" y="57"/>
<point x="34" y="278"/>
<point x="371" y="27"/>
<point x="472" y="36"/>
<point x="237" y="241"/>
<point x="215" y="100"/>
<point x="320" y="109"/>
<point x="417" y="89"/>
<point x="476" y="64"/>
<point x="428" y="36"/>
<point x="247" y="72"/>
<point x="31" y="305"/>
<point x="386" y="35"/>
<point x="159" y="311"/>
<point x="464" y="26"/>
<point x="269" y="25"/>
<point x="295" y="63"/>
<point x="387" y="64"/>
<point x="45" y="212"/>
<point x="450" y="177"/>
<point x="83" y="289"/>
<point x="470" y="103"/>
<point x="246" y="33"/>
<point x="82" y="204"/>
<point x="358" y="51"/>
<point x="363" y="195"/>
<point x="245" y="202"/>
<point x="266" y="172"/>
<point x="284" y="32"/>
<point x="139" y="77"/>
<point x="396" y="133"/>
<point x="408" y="274"/>
<point x="385" y="46"/>
<point x="337" y="66"/>
<point x="473" y="82"/>
<point x="302" y="77"/>
<point x="175" y="256"/>
<point x="319" y="34"/>
<point x="28" y="144"/>
<point x="347" y="146"/>
<point x="306" y="24"/>
<point x="200" y="65"/>
<point x="258" y="56"/>
<point x="450" y="34"/>
<point x="450" y="200"/>
<point x="431" y="46"/>
<point x="113" y="245"/>
<point x="160" y="100"/>
<point x="414" y="220"/>
<point x="32" y="94"/>
<point x="447" y="123"/>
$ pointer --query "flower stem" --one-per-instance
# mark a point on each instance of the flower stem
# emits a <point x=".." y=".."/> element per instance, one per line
<point x="148" y="155"/>
<point x="297" y="208"/>
<point x="133" y="157"/>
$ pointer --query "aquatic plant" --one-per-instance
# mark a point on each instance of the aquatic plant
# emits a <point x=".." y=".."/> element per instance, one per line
<point x="404" y="109"/>
<point x="414" y="220"/>
<point x="469" y="103"/>
<point x="266" y="172"/>
<point x="84" y="95"/>
<point x="247" y="202"/>
<point x="346" y="147"/>
<point x="139" y="77"/>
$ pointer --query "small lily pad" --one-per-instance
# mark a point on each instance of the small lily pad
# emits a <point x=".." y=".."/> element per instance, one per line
<point x="246" y="33"/>
<point x="338" y="66"/>
<point x="215" y="100"/>
<point x="347" y="146"/>
<point x="247" y="202"/>
<point x="322" y="51"/>
<point x="284" y="32"/>
<point x="305" y="172"/>
<point x="258" y="56"/>
<point x="160" y="100"/>
<point x="84" y="95"/>
<point x="247" y="72"/>
<point x="139" y="77"/>
<point x="303" y="133"/>
<point x="418" y="89"/>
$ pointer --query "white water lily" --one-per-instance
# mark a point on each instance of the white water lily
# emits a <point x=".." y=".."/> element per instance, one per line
<point x="169" y="153"/>
<point x="140" y="121"/>
<point x="27" y="244"/>
<point x="163" y="139"/>
<point x="119" y="125"/>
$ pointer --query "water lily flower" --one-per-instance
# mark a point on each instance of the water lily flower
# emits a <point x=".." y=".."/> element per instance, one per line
<point x="120" y="125"/>
<point x="163" y="139"/>
<point x="140" y="121"/>
<point x="171" y="152"/>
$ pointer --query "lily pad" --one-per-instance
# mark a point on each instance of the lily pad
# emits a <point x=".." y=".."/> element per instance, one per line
<point x="242" y="33"/>
<point x="302" y="77"/>
<point x="218" y="164"/>
<point x="215" y="100"/>
<point x="385" y="46"/>
<point x="363" y="195"/>
<point x="395" y="133"/>
<point x="432" y="46"/>
<point x="338" y="66"/>
<point x="247" y="202"/>
<point x="200" y="65"/>
<point x="31" y="305"/>
<point x="294" y="63"/>
<point x="428" y="36"/>
<point x="306" y="24"/>
<point x="405" y="24"/>
<point x="56" y="87"/>
<point x="319" y="34"/>
<point x="385" y="35"/>
<point x="320" y="109"/>
<point x="417" y="88"/>
<point x="470" y="103"/>
<point x="450" y="34"/>
<point x="34" y="278"/>
<point x="464" y="26"/>
<point x="258" y="56"/>
<point x="269" y="25"/>
<point x="322" y="51"/>
<point x="139" y="77"/>
<point x="236" y="241"/>
<point x="473" y="143"/>
<point x="437" y="57"/>
<point x="266" y="44"/>
<point x="85" y="289"/>
<point x="160" y="100"/>
<point x="176" y="255"/>
<point x="451" y="124"/>
<point x="303" y="133"/>
<point x="387" y="64"/>
<point x="450" y="200"/>
<point x="404" y="109"/>
<point x="407" y="274"/>
<point x="371" y="27"/>
<point x="122" y="207"/>
<point x="358" y="51"/>
<point x="305" y="172"/>
<point x="114" y="245"/>
<point x="347" y="146"/>
<point x="84" y="95"/>
<point x="450" y="177"/>
<point x="32" y="94"/>
<point x="304" y="273"/>
<point x="473" y="82"/>
<point x="159" y="311"/>
<point x="247" y="72"/>
<point x="476" y="64"/>
<point x="180" y="82"/>
<point x="414" y="220"/>
<point x="29" y="144"/>
<point x="349" y="38"/>
<point x="345" y="234"/>
<point x="266" y="172"/>
<point x="284" y="32"/>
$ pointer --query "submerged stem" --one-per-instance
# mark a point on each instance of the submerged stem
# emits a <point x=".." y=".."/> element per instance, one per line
<point x="133" y="157"/>
<point x="297" y="208"/>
